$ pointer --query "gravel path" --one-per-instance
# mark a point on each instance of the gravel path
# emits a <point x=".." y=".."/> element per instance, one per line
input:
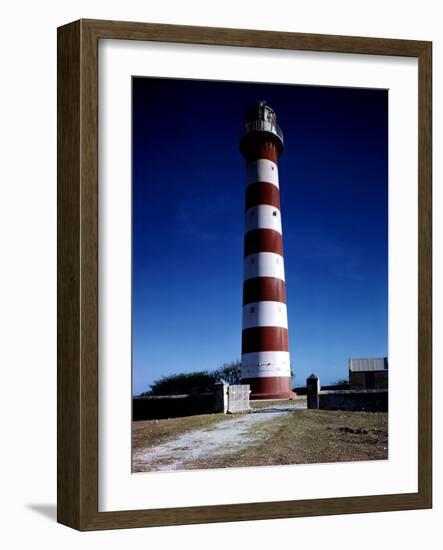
<point x="225" y="437"/>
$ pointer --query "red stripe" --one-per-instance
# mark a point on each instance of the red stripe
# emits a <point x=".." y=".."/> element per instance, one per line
<point x="264" y="289"/>
<point x="270" y="387"/>
<point x="264" y="339"/>
<point x="263" y="240"/>
<point x="262" y="148"/>
<point x="262" y="192"/>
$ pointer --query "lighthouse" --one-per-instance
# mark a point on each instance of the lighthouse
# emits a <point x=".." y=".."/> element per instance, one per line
<point x="265" y="360"/>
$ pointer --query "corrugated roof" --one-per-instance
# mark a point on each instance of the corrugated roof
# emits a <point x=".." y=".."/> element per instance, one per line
<point x="371" y="364"/>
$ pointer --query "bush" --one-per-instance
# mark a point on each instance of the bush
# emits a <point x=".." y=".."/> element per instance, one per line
<point x="229" y="372"/>
<point x="195" y="382"/>
<point x="175" y="384"/>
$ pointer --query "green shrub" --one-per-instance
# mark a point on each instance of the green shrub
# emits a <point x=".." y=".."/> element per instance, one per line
<point x="195" y="382"/>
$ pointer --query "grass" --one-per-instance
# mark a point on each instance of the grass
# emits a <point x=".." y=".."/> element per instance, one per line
<point x="301" y="437"/>
<point x="312" y="436"/>
<point x="271" y="403"/>
<point x="149" y="433"/>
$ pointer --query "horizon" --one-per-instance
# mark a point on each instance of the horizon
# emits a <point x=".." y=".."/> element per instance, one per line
<point x="188" y="193"/>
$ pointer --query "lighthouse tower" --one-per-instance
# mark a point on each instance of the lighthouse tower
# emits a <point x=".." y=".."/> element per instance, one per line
<point x="265" y="356"/>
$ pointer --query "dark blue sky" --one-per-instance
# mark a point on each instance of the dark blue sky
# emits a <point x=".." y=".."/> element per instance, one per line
<point x="188" y="192"/>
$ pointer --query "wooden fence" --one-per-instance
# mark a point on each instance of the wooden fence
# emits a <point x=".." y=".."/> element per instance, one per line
<point x="238" y="398"/>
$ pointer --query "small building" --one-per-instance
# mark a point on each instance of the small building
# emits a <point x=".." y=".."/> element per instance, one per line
<point x="368" y="374"/>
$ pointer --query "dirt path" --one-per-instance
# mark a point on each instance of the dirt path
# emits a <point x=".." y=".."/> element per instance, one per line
<point x="225" y="437"/>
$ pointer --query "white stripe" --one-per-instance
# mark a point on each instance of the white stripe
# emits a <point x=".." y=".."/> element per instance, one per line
<point x="262" y="372"/>
<point x="265" y="358"/>
<point x="265" y="314"/>
<point x="264" y="264"/>
<point x="266" y="363"/>
<point x="263" y="216"/>
<point x="262" y="170"/>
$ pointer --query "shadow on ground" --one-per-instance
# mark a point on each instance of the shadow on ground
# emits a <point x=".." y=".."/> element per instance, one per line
<point x="273" y="410"/>
<point x="48" y="511"/>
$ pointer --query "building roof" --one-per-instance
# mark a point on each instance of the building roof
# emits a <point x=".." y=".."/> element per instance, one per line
<point x="371" y="364"/>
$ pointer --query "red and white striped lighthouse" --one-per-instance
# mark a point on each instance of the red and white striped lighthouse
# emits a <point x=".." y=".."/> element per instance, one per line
<point x="265" y="356"/>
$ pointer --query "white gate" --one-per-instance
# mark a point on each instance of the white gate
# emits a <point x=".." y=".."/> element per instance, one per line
<point x="238" y="398"/>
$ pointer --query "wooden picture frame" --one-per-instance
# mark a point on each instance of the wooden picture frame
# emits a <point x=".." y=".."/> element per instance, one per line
<point x="78" y="274"/>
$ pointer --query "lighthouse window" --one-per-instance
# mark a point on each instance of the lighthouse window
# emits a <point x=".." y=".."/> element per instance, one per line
<point x="272" y="168"/>
<point x="274" y="213"/>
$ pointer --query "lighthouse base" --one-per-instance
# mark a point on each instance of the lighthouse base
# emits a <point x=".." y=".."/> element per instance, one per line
<point x="275" y="387"/>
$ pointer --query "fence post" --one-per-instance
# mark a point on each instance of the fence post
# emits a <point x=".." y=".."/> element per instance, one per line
<point x="221" y="397"/>
<point x="312" y="391"/>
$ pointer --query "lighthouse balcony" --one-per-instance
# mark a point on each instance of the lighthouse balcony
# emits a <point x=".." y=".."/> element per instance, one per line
<point x="257" y="126"/>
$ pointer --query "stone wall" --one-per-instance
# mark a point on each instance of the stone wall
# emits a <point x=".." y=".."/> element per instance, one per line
<point x="172" y="406"/>
<point x="225" y="398"/>
<point x="354" y="400"/>
<point x="345" y="400"/>
<point x="302" y="390"/>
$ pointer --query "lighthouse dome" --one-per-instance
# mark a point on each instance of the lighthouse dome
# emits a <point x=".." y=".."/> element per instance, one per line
<point x="261" y="123"/>
<point x="263" y="112"/>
